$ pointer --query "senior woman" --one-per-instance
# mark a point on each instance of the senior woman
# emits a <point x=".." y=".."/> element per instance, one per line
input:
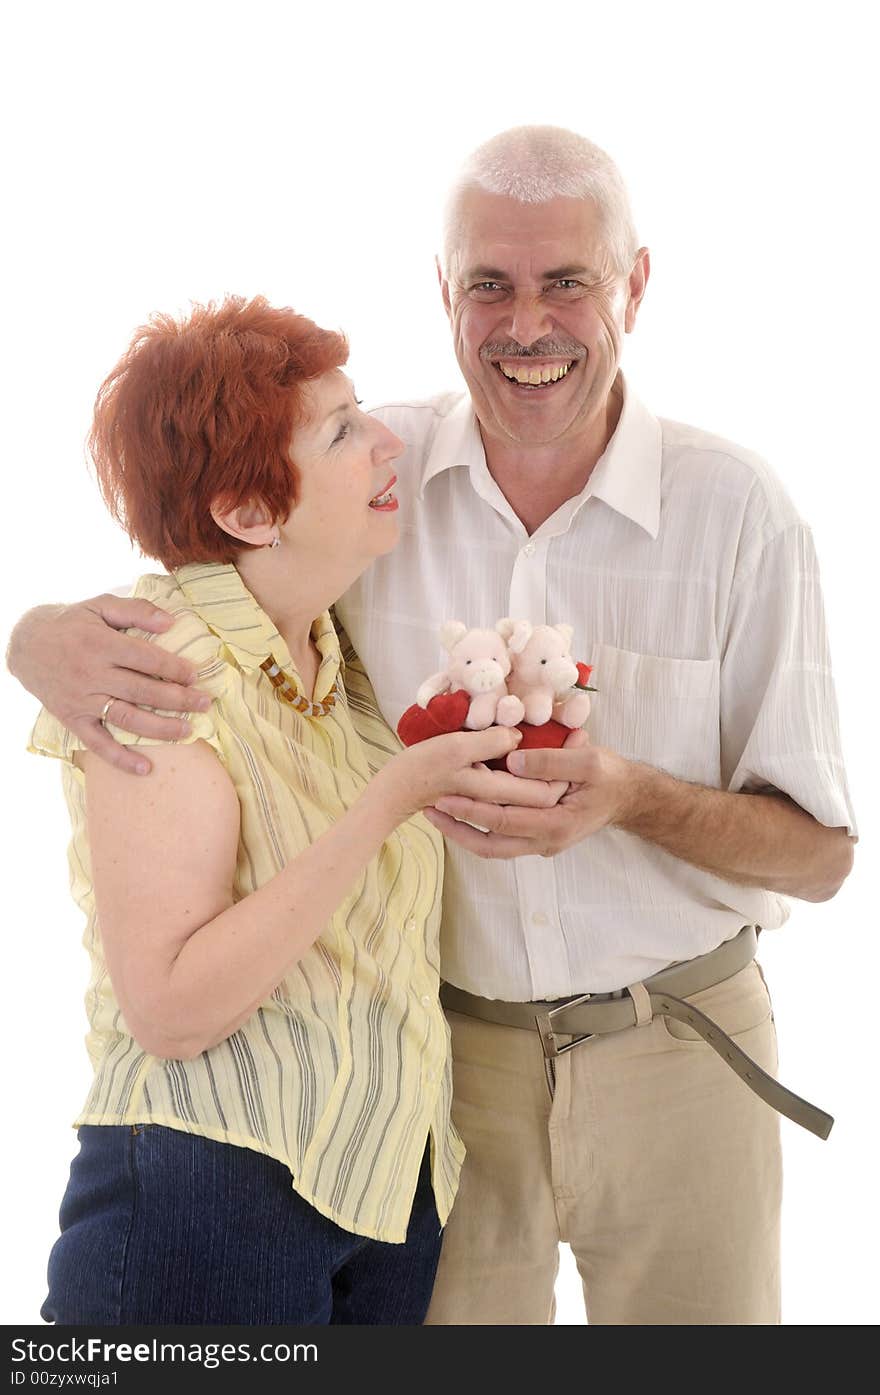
<point x="267" y="1138"/>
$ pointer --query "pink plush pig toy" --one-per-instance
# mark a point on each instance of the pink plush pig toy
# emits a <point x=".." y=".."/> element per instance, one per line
<point x="478" y="665"/>
<point x="543" y="674"/>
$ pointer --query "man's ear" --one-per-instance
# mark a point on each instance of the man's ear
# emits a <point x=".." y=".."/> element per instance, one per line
<point x="250" y="522"/>
<point x="444" y="288"/>
<point x="638" y="281"/>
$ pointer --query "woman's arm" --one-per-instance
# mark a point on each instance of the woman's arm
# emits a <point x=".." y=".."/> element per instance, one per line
<point x="187" y="964"/>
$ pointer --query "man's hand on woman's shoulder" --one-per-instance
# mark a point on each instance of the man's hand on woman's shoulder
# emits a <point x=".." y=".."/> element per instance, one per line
<point x="74" y="659"/>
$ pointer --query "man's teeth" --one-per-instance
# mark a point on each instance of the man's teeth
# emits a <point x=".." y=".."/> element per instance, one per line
<point x="534" y="377"/>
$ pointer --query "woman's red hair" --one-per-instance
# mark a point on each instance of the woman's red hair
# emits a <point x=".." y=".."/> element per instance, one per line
<point x="199" y="412"/>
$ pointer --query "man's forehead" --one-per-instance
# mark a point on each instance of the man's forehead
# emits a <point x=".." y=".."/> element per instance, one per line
<point x="493" y="231"/>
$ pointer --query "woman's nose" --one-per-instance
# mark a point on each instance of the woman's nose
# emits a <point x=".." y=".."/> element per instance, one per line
<point x="390" y="446"/>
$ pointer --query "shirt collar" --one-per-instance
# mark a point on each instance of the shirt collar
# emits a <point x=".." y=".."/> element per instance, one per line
<point x="626" y="476"/>
<point x="216" y="591"/>
<point x="457" y="442"/>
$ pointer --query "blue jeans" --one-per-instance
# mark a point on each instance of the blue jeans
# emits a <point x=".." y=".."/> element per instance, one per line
<point x="161" y="1226"/>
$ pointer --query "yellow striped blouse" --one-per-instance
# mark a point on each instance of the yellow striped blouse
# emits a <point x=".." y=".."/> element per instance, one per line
<point x="344" y="1072"/>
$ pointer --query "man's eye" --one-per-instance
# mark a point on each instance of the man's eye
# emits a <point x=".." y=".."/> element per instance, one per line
<point x="567" y="283"/>
<point x="487" y="290"/>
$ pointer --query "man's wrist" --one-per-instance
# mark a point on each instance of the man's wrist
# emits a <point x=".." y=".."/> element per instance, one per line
<point x="643" y="790"/>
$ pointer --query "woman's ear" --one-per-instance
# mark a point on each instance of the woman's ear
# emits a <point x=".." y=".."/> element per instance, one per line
<point x="250" y="523"/>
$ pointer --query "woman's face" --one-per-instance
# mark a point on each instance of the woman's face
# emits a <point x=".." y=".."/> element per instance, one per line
<point x="343" y="459"/>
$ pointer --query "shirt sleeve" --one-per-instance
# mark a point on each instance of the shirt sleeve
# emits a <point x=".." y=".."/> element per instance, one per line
<point x="779" y="719"/>
<point x="189" y="637"/>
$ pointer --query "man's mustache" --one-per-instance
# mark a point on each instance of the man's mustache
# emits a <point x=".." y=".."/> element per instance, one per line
<point x="542" y="348"/>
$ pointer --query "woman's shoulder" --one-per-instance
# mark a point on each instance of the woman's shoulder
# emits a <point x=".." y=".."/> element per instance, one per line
<point x="191" y="637"/>
<point x="165" y="591"/>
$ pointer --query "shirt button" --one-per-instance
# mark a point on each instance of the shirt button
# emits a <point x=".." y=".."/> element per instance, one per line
<point x="427" y="1000"/>
<point x="539" y="918"/>
<point x="529" y="550"/>
<point x="410" y="925"/>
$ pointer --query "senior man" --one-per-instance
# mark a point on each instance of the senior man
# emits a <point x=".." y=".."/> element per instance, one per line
<point x="598" y="955"/>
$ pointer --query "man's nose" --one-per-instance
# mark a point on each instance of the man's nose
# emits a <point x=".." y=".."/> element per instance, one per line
<point x="530" y="320"/>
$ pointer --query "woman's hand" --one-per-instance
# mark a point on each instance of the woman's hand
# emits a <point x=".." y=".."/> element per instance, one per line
<point x="453" y="765"/>
<point x="74" y="660"/>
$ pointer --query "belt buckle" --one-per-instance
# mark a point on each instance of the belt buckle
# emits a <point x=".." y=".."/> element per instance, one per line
<point x="548" y="1036"/>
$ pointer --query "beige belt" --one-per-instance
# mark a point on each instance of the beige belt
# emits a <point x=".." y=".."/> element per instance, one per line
<point x="662" y="995"/>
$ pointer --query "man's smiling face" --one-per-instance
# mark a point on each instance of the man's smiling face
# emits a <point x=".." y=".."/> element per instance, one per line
<point x="538" y="312"/>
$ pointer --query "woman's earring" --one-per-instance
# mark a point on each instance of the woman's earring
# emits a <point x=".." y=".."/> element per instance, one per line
<point x="276" y="541"/>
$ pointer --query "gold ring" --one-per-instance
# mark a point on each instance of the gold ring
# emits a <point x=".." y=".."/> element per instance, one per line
<point x="105" y="709"/>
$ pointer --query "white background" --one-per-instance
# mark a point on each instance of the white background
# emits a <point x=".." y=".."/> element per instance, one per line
<point x="171" y="152"/>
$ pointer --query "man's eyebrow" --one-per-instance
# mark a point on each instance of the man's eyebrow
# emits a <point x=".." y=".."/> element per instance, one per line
<point x="562" y="273"/>
<point x="485" y="273"/>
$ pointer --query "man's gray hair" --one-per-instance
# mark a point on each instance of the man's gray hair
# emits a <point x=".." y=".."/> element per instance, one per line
<point x="534" y="164"/>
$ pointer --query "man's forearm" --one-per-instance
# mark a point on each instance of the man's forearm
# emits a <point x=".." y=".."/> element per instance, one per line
<point x="755" y="839"/>
<point x="762" y="840"/>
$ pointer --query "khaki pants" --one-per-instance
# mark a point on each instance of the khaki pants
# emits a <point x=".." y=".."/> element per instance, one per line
<point x="641" y="1149"/>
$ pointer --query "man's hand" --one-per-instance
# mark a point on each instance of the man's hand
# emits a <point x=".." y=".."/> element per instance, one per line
<point x="73" y="659"/>
<point x="758" y="839"/>
<point x="601" y="785"/>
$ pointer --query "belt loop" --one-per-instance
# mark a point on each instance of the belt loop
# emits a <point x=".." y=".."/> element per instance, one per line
<point x="642" y="1000"/>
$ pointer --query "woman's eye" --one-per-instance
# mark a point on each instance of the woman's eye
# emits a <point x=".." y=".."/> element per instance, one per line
<point x="341" y="434"/>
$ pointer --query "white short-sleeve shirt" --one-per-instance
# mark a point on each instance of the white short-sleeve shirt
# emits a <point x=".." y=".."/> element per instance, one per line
<point x="693" y="589"/>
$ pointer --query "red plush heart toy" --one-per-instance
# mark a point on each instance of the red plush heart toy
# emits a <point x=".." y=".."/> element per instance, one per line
<point x="442" y="714"/>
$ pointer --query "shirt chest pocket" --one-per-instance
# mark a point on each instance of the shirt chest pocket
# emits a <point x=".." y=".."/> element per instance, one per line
<point x="665" y="712"/>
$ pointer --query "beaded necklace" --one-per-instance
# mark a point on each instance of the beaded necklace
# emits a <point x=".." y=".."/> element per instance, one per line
<point x="285" y="689"/>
